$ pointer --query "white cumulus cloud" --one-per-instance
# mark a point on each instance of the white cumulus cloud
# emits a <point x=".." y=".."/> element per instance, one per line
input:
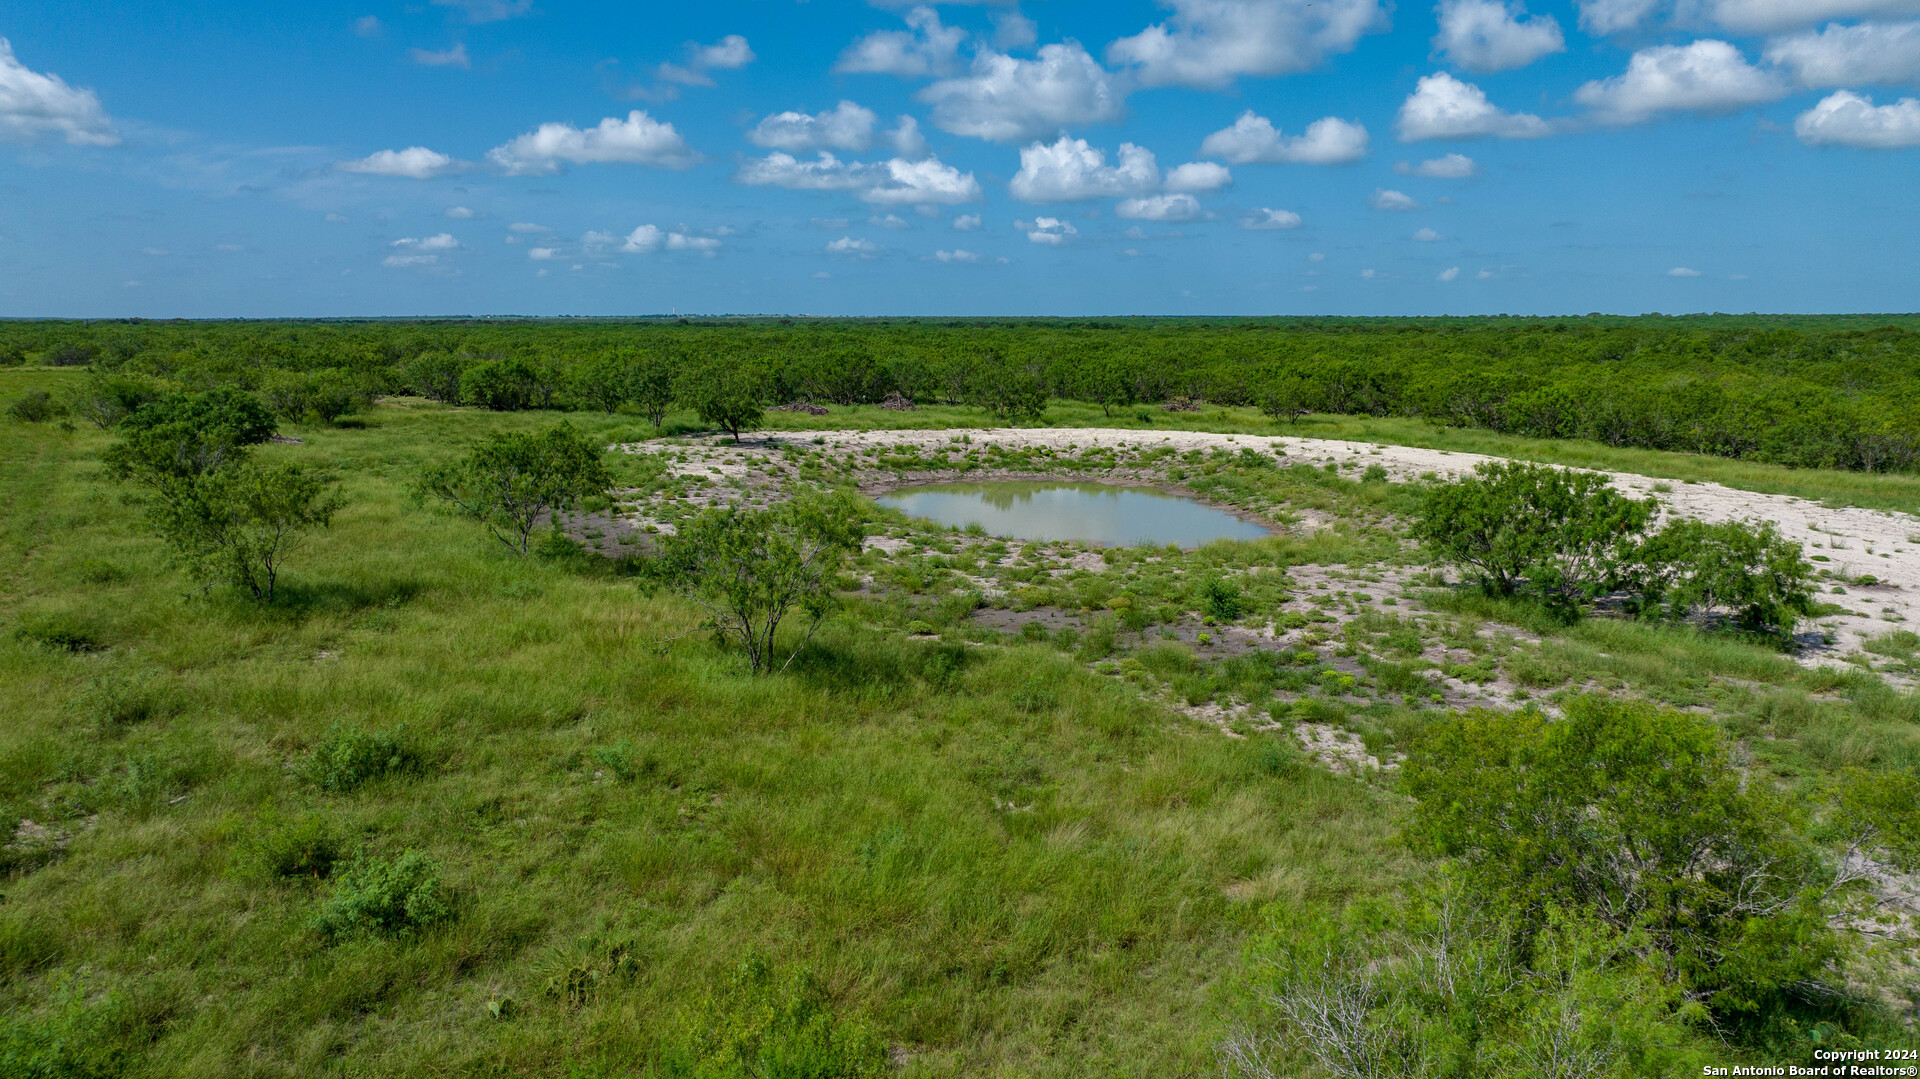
<point x="896" y="182"/>
<point x="1388" y="199"/>
<point x="412" y="163"/>
<point x="905" y="138"/>
<point x="1705" y="76"/>
<point x="637" y="140"/>
<point x="1004" y="99"/>
<point x="846" y="126"/>
<point x="1683" y="271"/>
<point x="1886" y="53"/>
<point x="730" y="53"/>
<point x="647" y="239"/>
<point x="459" y="213"/>
<point x="967" y="223"/>
<point x="1050" y="231"/>
<point x="1845" y="118"/>
<point x="925" y="49"/>
<point x="956" y="255"/>
<point x="1070" y="170"/>
<point x="33" y="105"/>
<point x="1199" y="176"/>
<point x="1444" y="167"/>
<point x="1443" y="107"/>
<point x="1209" y="43"/>
<point x="1264" y="218"/>
<point x="1488" y="35"/>
<point x="1448" y="274"/>
<point x="857" y="248"/>
<point x="1774" y="16"/>
<point x="1427" y="236"/>
<point x="1254" y="140"/>
<point x="1173" y="207"/>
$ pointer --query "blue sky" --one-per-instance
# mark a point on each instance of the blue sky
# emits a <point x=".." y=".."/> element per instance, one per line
<point x="1045" y="157"/>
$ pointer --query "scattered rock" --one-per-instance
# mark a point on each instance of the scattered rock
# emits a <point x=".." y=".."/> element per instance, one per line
<point x="807" y="407"/>
<point x="897" y="403"/>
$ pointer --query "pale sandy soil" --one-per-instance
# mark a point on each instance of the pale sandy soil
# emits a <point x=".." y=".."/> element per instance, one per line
<point x="1854" y="541"/>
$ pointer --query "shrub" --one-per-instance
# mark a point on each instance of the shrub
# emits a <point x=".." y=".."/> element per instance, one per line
<point x="239" y="524"/>
<point x="509" y="482"/>
<point x="63" y="631"/>
<point x="188" y="435"/>
<point x="34" y="406"/>
<point x="726" y="392"/>
<point x="116" y="698"/>
<point x="349" y="757"/>
<point x="1222" y="599"/>
<point x="435" y="376"/>
<point x="1565" y="532"/>
<point x="758" y="1024"/>
<point x="106" y="399"/>
<point x="1430" y="985"/>
<point x="502" y="385"/>
<point x="1633" y="813"/>
<point x="384" y="898"/>
<point x="69" y="1039"/>
<point x="748" y="569"/>
<point x="1747" y="570"/>
<point x="303" y="849"/>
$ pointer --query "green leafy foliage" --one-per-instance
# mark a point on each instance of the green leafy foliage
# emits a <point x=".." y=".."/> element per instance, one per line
<point x="106" y="398"/>
<point x="435" y="375"/>
<point x="238" y="524"/>
<point x="1562" y="531"/>
<point x="71" y="1038"/>
<point x="763" y="1025"/>
<point x="304" y="848"/>
<point x="726" y="392"/>
<point x="186" y="436"/>
<point x="511" y="481"/>
<point x="748" y="569"/>
<point x="1442" y="986"/>
<point x="1222" y="599"/>
<point x="1744" y="570"/>
<point x="1634" y="814"/>
<point x="34" y="406"/>
<point x="348" y="757"/>
<point x="383" y="897"/>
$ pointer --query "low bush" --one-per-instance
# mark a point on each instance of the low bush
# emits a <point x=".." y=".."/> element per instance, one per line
<point x="761" y="1024"/>
<point x="349" y="757"/>
<point x="380" y="897"/>
<point x="34" y="406"/>
<point x="306" y="848"/>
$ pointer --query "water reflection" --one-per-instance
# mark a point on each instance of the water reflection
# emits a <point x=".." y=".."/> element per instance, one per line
<point x="1085" y="512"/>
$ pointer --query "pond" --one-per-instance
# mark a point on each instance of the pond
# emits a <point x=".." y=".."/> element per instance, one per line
<point x="1086" y="512"/>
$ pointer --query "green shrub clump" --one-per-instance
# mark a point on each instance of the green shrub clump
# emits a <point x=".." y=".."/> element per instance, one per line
<point x="383" y="897"/>
<point x="351" y="756"/>
<point x="758" y="1024"/>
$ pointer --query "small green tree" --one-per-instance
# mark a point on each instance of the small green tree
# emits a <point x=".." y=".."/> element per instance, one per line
<point x="510" y="482"/>
<point x="748" y="569"/>
<point x="105" y="399"/>
<point x="1566" y="532"/>
<point x="507" y="385"/>
<point x="1746" y="570"/>
<point x="1283" y="396"/>
<point x="185" y="435"/>
<point x="237" y="525"/>
<point x="1013" y="391"/>
<point x="727" y="393"/>
<point x="650" y="376"/>
<point x="1635" y="814"/>
<point x="436" y="376"/>
<point x="603" y="382"/>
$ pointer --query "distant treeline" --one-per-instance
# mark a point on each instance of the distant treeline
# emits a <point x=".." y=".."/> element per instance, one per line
<point x="1829" y="392"/>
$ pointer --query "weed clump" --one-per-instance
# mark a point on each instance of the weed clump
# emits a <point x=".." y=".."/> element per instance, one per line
<point x="303" y="849"/>
<point x="384" y="897"/>
<point x="758" y="1023"/>
<point x="349" y="757"/>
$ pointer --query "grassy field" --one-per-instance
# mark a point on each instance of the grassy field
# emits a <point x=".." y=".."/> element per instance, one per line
<point x="1015" y="865"/>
